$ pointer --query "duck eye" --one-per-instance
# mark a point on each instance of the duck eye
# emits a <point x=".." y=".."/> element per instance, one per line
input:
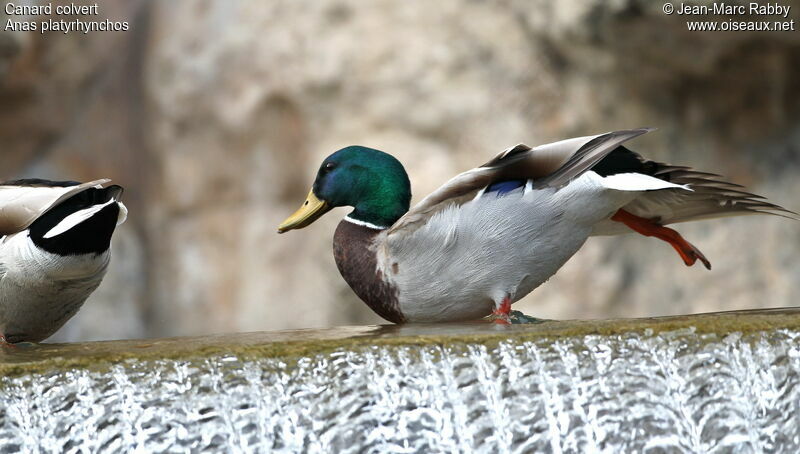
<point x="328" y="167"/>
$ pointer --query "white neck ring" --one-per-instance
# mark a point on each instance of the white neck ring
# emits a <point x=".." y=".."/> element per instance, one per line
<point x="364" y="223"/>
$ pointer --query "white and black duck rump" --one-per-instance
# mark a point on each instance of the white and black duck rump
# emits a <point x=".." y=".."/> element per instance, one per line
<point x="54" y="250"/>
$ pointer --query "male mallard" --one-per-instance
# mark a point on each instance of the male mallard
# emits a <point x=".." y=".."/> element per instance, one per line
<point x="492" y="234"/>
<point x="54" y="251"/>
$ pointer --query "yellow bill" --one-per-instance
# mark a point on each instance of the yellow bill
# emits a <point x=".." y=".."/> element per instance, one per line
<point x="309" y="212"/>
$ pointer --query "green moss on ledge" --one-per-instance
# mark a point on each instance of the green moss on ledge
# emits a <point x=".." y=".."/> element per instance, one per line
<point x="289" y="345"/>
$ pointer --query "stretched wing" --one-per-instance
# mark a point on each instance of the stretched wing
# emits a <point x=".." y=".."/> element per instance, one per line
<point x="710" y="196"/>
<point x="23" y="201"/>
<point x="552" y="165"/>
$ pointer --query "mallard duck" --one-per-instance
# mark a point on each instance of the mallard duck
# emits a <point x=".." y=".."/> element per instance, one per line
<point x="491" y="235"/>
<point x="54" y="251"/>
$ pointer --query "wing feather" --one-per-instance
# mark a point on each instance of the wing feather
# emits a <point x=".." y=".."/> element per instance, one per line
<point x="551" y="165"/>
<point x="711" y="197"/>
<point x="20" y="205"/>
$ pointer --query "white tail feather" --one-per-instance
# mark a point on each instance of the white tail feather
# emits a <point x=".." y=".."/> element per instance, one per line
<point x="638" y="182"/>
<point x="76" y="218"/>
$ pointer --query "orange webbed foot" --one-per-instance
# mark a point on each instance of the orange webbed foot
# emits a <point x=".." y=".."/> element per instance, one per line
<point x="688" y="252"/>
<point x="502" y="314"/>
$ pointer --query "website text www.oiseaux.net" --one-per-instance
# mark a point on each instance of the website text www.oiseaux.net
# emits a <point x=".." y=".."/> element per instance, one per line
<point x="767" y="17"/>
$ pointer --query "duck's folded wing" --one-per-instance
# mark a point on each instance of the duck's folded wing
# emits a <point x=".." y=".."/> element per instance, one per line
<point x="552" y="165"/>
<point x="23" y="201"/>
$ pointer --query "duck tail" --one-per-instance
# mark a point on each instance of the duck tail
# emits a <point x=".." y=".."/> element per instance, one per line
<point x="709" y="197"/>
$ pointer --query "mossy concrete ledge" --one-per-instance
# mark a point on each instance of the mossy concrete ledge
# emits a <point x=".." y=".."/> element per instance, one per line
<point x="699" y="383"/>
<point x="292" y="344"/>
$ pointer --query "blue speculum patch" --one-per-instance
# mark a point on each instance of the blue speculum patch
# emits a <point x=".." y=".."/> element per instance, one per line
<point x="503" y="187"/>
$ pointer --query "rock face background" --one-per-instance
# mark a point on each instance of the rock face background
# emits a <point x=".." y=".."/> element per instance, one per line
<point x="215" y="115"/>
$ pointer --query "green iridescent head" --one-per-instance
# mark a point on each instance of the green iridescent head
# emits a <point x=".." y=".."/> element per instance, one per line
<point x="374" y="183"/>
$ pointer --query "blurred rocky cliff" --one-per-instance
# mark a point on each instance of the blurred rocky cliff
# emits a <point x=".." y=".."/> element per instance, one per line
<point x="215" y="115"/>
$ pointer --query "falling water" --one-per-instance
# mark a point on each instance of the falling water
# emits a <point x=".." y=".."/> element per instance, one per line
<point x="678" y="391"/>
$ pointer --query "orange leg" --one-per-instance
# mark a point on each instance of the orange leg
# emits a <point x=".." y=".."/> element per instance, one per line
<point x="686" y="250"/>
<point x="502" y="314"/>
<point x="5" y="343"/>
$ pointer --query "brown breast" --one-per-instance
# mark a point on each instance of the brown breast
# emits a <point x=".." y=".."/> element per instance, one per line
<point x="355" y="258"/>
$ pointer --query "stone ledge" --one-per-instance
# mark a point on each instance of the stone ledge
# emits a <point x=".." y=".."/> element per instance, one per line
<point x="294" y="344"/>
<point x="697" y="383"/>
